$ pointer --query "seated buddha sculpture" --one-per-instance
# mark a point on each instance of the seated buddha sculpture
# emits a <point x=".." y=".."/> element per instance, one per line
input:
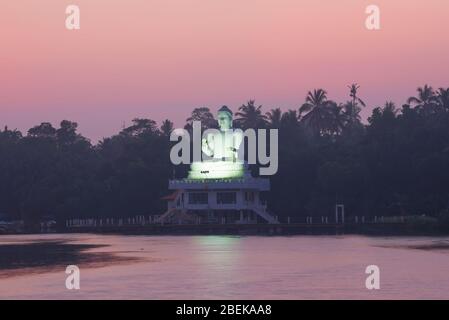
<point x="221" y="151"/>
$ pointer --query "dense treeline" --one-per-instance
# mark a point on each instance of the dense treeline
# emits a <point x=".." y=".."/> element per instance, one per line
<point x="395" y="164"/>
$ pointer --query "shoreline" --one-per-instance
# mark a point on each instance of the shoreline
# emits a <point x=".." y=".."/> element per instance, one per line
<point x="369" y="229"/>
<point x="268" y="229"/>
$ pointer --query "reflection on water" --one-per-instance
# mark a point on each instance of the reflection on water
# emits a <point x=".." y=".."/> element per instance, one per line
<point x="222" y="267"/>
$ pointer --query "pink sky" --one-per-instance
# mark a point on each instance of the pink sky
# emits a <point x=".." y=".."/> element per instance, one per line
<point x="161" y="58"/>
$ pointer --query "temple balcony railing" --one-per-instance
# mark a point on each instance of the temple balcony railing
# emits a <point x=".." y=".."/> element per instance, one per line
<point x="261" y="184"/>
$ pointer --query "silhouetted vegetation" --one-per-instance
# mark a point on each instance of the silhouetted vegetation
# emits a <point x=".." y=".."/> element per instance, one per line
<point x="395" y="164"/>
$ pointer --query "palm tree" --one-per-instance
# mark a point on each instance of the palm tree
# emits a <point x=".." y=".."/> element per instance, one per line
<point x="336" y="119"/>
<point x="351" y="108"/>
<point x="390" y="107"/>
<point x="166" y="127"/>
<point x="289" y="119"/>
<point x="320" y="113"/>
<point x="353" y="94"/>
<point x="314" y="100"/>
<point x="250" y="116"/>
<point x="443" y="97"/>
<point x="351" y="113"/>
<point x="274" y="117"/>
<point x="426" y="97"/>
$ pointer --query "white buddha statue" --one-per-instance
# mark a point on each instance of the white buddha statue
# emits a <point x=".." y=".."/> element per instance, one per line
<point x="221" y="147"/>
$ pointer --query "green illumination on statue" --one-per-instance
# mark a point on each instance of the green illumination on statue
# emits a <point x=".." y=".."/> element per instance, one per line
<point x="221" y="148"/>
<point x="216" y="170"/>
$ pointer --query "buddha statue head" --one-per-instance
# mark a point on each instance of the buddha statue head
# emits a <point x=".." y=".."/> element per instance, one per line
<point x="224" y="118"/>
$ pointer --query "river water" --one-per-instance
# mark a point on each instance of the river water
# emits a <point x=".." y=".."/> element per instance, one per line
<point x="223" y="267"/>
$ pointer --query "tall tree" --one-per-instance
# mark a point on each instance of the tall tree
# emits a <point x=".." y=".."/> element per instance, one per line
<point x="166" y="127"/>
<point x="353" y="88"/>
<point x="250" y="116"/>
<point x="425" y="98"/>
<point x="443" y="98"/>
<point x="11" y="134"/>
<point x="352" y="109"/>
<point x="67" y="134"/>
<point x="44" y="130"/>
<point x="322" y="115"/>
<point x="274" y="117"/>
<point x="289" y="119"/>
<point x="204" y="115"/>
<point x="140" y="127"/>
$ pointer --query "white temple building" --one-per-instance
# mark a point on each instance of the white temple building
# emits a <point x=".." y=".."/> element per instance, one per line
<point x="234" y="200"/>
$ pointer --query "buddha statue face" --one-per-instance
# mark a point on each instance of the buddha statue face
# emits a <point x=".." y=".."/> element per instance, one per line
<point x="224" y="120"/>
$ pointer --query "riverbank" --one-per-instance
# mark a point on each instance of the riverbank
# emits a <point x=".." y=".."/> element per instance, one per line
<point x="266" y="229"/>
<point x="142" y="227"/>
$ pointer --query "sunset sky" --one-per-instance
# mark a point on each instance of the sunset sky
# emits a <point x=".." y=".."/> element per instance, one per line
<point x="161" y="58"/>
